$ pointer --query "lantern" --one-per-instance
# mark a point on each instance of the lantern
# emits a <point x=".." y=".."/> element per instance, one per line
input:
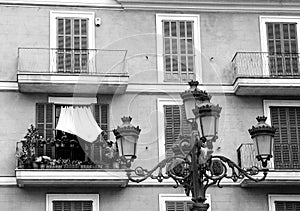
<point x="127" y="136"/>
<point x="262" y="135"/>
<point x="191" y="98"/>
<point x="207" y="118"/>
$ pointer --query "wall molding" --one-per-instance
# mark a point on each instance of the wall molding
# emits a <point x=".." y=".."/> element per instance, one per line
<point x="254" y="6"/>
<point x="8" y="86"/>
<point x="75" y="3"/>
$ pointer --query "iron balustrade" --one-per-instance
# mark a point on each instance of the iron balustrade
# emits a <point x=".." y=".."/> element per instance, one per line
<point x="72" y="61"/>
<point x="261" y="64"/>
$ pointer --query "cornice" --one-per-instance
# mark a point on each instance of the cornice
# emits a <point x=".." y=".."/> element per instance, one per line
<point x="69" y="3"/>
<point x="239" y="6"/>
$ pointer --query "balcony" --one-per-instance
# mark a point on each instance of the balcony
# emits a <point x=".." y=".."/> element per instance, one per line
<point x="68" y="71"/>
<point x="65" y="162"/>
<point x="276" y="177"/>
<point x="257" y="73"/>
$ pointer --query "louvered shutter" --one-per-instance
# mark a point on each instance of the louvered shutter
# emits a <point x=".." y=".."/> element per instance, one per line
<point x="101" y="116"/>
<point x="178" y="50"/>
<point x="84" y="206"/>
<point x="178" y="205"/>
<point x="100" y="112"/>
<point x="282" y="48"/>
<point x="72" y="206"/>
<point x="72" y="44"/>
<point x="62" y="206"/>
<point x="286" y="140"/>
<point x="287" y="205"/>
<point x="45" y="126"/>
<point x="175" y="125"/>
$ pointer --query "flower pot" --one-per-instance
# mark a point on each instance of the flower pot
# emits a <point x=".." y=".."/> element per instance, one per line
<point x="35" y="165"/>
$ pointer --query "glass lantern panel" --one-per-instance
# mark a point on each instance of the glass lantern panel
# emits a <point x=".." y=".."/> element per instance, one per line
<point x="208" y="125"/>
<point x="264" y="145"/>
<point x="189" y="105"/>
<point x="129" y="145"/>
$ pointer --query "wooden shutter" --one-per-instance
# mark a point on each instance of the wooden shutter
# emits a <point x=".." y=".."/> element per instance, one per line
<point x="178" y="205"/>
<point x="287" y="205"/>
<point x="282" y="48"/>
<point x="83" y="206"/>
<point x="175" y="125"/>
<point x="286" y="140"/>
<point x="101" y="116"/>
<point x="72" y="206"/>
<point x="45" y="126"/>
<point x="178" y="50"/>
<point x="72" y="44"/>
<point x="62" y="206"/>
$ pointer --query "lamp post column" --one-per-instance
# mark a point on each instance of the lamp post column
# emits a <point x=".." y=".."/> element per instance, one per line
<point x="198" y="189"/>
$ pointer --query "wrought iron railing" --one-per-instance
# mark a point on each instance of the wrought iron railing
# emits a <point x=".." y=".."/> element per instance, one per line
<point x="246" y="156"/>
<point x="72" y="61"/>
<point x="259" y="64"/>
<point x="43" y="155"/>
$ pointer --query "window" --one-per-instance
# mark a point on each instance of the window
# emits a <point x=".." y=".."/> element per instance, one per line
<point x="178" y="47"/>
<point x="280" y="40"/>
<point x="286" y="141"/>
<point x="71" y="41"/>
<point x="171" y="124"/>
<point x="177" y="202"/>
<point x="285" y="117"/>
<point x="72" y="202"/>
<point x="47" y="115"/>
<point x="175" y="125"/>
<point x="284" y="202"/>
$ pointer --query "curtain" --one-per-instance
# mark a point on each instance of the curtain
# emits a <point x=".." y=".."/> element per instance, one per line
<point x="79" y="121"/>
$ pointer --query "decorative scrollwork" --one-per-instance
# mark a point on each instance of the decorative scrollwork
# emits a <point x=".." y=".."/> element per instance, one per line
<point x="179" y="168"/>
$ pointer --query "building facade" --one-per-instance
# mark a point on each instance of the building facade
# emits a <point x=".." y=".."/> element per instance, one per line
<point x="103" y="60"/>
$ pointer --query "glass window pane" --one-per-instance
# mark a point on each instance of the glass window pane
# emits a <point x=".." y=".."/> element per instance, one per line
<point x="182" y="46"/>
<point x="182" y="28"/>
<point x="190" y="46"/>
<point x="84" y="27"/>
<point x="189" y="28"/>
<point x="167" y="45"/>
<point x="174" y="46"/>
<point x="173" y="29"/>
<point x="60" y="23"/>
<point x="76" y="27"/>
<point x="166" y="29"/>
<point x="68" y="26"/>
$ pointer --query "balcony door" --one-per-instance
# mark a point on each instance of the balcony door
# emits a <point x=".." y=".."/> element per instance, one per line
<point x="72" y="45"/>
<point x="66" y="145"/>
<point x="282" y="48"/>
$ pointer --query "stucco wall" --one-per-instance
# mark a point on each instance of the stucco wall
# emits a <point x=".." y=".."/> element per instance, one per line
<point x="222" y="35"/>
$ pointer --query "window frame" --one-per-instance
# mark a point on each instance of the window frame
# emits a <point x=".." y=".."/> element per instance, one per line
<point x="280" y="197"/>
<point x="264" y="38"/>
<point x="53" y="34"/>
<point x="160" y="46"/>
<point x="72" y="197"/>
<point x="178" y="197"/>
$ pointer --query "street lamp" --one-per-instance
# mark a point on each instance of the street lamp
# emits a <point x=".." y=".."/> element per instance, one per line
<point x="194" y="166"/>
<point x="127" y="136"/>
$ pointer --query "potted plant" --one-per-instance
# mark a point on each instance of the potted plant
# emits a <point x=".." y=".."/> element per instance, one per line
<point x="26" y="155"/>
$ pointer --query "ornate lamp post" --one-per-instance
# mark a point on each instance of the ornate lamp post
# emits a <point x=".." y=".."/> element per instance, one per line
<point x="194" y="166"/>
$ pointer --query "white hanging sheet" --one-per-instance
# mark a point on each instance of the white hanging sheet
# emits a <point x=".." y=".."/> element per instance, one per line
<point x="79" y="121"/>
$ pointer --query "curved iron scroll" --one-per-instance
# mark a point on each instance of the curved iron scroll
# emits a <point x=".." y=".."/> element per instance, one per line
<point x="212" y="172"/>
